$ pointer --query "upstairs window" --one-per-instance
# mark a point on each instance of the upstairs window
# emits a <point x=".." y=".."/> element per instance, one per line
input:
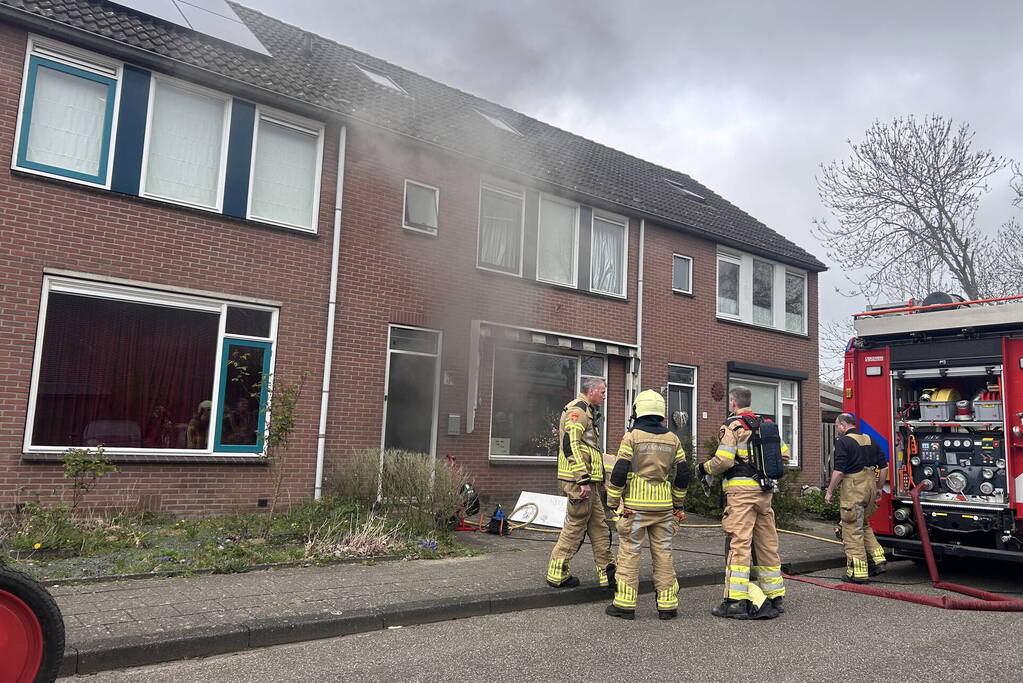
<point x="608" y="255"/>
<point x="421" y="207"/>
<point x="285" y="183"/>
<point x="557" y="241"/>
<point x="761" y="292"/>
<point x="681" y="274"/>
<point x="186" y="148"/>
<point x="500" y="237"/>
<point x="67" y="115"/>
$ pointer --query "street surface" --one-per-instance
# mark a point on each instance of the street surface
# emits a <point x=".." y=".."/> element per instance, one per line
<point x="825" y="635"/>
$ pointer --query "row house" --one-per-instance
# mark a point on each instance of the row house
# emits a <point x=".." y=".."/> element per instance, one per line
<point x="201" y="197"/>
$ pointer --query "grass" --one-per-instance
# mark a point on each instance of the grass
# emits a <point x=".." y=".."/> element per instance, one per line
<point x="52" y="543"/>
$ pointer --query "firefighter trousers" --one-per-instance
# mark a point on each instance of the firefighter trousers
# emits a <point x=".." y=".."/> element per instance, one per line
<point x="659" y="526"/>
<point x="748" y="522"/>
<point x="857" y="500"/>
<point x="585" y="516"/>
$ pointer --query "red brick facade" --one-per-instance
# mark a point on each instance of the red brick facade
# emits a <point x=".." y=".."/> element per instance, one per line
<point x="387" y="275"/>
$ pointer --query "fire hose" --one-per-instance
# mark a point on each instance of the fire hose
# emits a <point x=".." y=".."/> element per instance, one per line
<point x="985" y="601"/>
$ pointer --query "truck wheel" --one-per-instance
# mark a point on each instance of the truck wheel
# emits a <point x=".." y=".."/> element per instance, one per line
<point x="31" y="629"/>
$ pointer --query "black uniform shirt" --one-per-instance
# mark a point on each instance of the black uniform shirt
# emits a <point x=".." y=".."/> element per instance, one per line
<point x="851" y="457"/>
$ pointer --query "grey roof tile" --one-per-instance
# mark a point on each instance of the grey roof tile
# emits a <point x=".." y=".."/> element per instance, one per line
<point x="325" y="77"/>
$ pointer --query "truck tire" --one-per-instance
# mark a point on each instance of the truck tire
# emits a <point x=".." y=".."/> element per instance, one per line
<point x="31" y="627"/>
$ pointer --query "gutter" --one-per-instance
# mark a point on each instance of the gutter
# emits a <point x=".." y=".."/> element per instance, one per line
<point x="328" y="351"/>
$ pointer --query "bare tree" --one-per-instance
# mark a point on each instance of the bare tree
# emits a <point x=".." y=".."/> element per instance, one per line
<point x="904" y="206"/>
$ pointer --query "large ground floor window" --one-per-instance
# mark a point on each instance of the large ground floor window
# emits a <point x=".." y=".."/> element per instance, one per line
<point x="777" y="399"/>
<point x="140" y="370"/>
<point x="530" y="390"/>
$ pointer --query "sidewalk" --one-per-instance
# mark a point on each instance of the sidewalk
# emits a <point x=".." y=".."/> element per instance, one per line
<point x="129" y="623"/>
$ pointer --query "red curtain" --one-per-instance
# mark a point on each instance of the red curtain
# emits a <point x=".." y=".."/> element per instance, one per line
<point x="122" y="373"/>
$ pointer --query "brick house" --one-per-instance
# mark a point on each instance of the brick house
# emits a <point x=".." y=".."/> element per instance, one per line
<point x="193" y="204"/>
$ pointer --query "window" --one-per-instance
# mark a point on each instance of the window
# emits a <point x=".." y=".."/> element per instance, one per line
<point x="777" y="400"/>
<point x="186" y="148"/>
<point x="141" y="371"/>
<point x="681" y="274"/>
<point x="381" y="79"/>
<point x="557" y="241"/>
<point x="763" y="293"/>
<point x="410" y="404"/>
<point x="498" y="122"/>
<point x="285" y="183"/>
<point x="421" y="207"/>
<point x="608" y="255"/>
<point x="728" y="286"/>
<point x="682" y="399"/>
<point x="530" y="390"/>
<point x="500" y="238"/>
<point x="795" y="298"/>
<point x="67" y="115"/>
<point x="756" y="291"/>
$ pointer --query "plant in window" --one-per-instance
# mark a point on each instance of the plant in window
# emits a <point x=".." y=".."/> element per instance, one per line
<point x="84" y="468"/>
<point x="546" y="443"/>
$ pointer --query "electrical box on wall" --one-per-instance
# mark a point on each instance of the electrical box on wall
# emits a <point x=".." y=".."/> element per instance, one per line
<point x="454" y="425"/>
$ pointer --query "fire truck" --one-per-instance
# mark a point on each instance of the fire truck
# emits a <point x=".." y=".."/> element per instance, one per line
<point x="940" y="387"/>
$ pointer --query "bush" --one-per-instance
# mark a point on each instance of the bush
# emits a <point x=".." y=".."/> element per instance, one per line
<point x="700" y="501"/>
<point x="420" y="490"/>
<point x="788" y="510"/>
<point x="813" y="503"/>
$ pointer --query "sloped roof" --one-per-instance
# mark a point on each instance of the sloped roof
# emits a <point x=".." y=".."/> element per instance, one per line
<point x="322" y="73"/>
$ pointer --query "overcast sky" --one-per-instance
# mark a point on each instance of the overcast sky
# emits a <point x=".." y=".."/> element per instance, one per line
<point x="746" y="97"/>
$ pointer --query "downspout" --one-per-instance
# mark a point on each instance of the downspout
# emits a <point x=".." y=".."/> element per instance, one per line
<point x="637" y="361"/>
<point x="328" y="351"/>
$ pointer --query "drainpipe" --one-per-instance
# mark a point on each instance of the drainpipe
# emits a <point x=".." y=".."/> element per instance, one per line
<point x="637" y="362"/>
<point x="328" y="351"/>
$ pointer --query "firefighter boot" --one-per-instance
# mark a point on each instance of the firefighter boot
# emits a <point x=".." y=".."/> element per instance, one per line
<point x="666" y="614"/>
<point x="852" y="579"/>
<point x="776" y="603"/>
<point x="874" y="568"/>
<point x="614" y="611"/>
<point x="610" y="573"/>
<point x="570" y="582"/>
<point x="732" y="609"/>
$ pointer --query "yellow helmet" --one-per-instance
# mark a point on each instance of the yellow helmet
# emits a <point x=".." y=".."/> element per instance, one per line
<point x="648" y="402"/>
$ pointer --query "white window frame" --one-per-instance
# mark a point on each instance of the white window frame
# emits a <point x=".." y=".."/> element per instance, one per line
<point x="774" y="289"/>
<point x="745" y="262"/>
<point x="225" y="141"/>
<point x="692" y="412"/>
<point x="803" y="276"/>
<point x="622" y="221"/>
<point x="578" y="379"/>
<point x="575" y="239"/>
<point x="780" y="402"/>
<point x="302" y="125"/>
<point x="688" y="290"/>
<point x="404" y="207"/>
<point x="736" y="260"/>
<point x="518" y="194"/>
<point x="80" y="59"/>
<point x="498" y="122"/>
<point x="436" y="388"/>
<point x="118" y="292"/>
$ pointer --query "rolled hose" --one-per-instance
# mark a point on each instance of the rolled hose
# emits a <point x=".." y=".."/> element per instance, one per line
<point x="987" y="601"/>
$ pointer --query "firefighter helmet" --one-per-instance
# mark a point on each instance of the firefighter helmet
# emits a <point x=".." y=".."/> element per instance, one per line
<point x="648" y="402"/>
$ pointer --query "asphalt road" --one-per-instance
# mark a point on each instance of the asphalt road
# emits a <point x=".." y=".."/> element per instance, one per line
<point x="824" y="635"/>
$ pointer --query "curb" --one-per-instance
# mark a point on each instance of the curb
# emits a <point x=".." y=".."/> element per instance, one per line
<point x="156" y="648"/>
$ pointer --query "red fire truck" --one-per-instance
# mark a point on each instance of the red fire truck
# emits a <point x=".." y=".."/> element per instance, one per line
<point x="940" y="387"/>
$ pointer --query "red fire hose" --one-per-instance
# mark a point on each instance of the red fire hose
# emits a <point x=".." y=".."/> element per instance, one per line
<point x="991" y="602"/>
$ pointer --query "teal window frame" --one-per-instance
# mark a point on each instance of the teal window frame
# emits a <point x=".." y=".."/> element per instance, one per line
<point x="35" y="62"/>
<point x="219" y="447"/>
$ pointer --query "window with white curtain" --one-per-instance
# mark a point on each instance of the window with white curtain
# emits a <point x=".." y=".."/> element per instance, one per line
<point x="186" y="146"/>
<point x="795" y="302"/>
<point x="285" y="172"/>
<point x="763" y="293"/>
<point x="557" y="241"/>
<point x="729" y="271"/>
<point x="681" y="274"/>
<point x="421" y="207"/>
<point x="777" y="400"/>
<point x="67" y="117"/>
<point x="500" y="238"/>
<point x="607" y="256"/>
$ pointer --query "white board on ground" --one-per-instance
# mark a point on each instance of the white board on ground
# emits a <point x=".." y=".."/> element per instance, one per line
<point x="551" y="510"/>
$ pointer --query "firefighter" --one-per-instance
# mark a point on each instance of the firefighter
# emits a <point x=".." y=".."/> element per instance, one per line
<point x="752" y="591"/>
<point x="581" y="478"/>
<point x="858" y="459"/>
<point x="649" y="481"/>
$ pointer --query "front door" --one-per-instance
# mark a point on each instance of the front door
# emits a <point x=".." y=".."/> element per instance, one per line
<point x="410" y="404"/>
<point x="680" y="400"/>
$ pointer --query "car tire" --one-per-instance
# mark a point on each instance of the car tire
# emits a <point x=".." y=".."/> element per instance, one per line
<point x="24" y="606"/>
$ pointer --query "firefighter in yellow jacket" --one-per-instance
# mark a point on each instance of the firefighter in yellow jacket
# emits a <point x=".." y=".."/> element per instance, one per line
<point x="581" y="477"/>
<point x="751" y="591"/>
<point x="649" y="481"/>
